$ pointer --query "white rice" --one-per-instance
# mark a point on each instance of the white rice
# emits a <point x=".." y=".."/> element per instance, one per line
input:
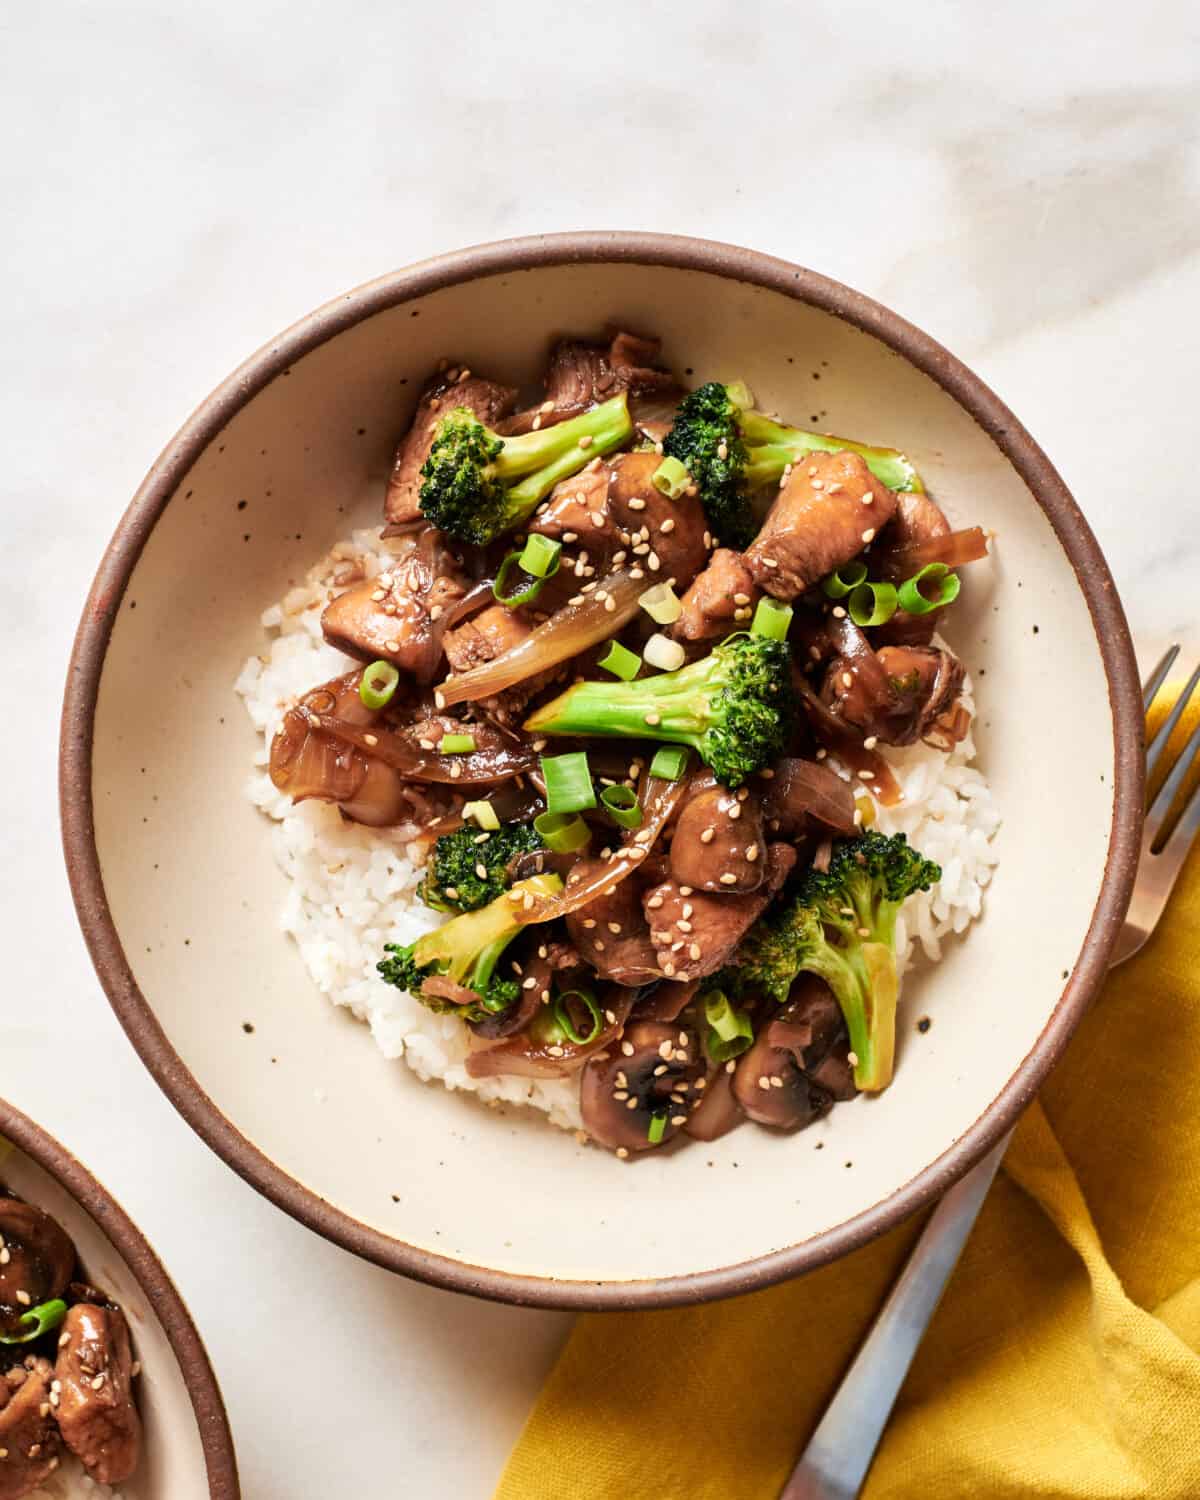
<point x="353" y="889"/>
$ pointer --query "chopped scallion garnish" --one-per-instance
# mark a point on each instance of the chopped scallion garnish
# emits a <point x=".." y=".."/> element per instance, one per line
<point x="622" y="806"/>
<point x="379" y="682"/>
<point x="562" y="833"/>
<point x="844" y="580"/>
<point x="540" y="556"/>
<point x="41" y="1319"/>
<point x="932" y="588"/>
<point x="525" y="594"/>
<point x="657" y="1128"/>
<point x="772" y="620"/>
<point x="669" y="763"/>
<point x="482" y="813"/>
<point x="671" y="478"/>
<point x="456" y="744"/>
<point x="730" y="1032"/>
<point x="662" y="604"/>
<point x="620" y="661"/>
<point x="577" y="1012"/>
<point x="872" y="603"/>
<point x="568" y="782"/>
<point x="662" y="652"/>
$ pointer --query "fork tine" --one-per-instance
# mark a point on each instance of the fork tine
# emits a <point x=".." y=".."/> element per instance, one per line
<point x="1169" y="790"/>
<point x="1159" y="743"/>
<point x="1158" y="676"/>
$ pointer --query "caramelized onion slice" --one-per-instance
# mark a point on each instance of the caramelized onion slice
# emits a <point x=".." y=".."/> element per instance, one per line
<point x="400" y="749"/>
<point x="568" y="632"/>
<point x="659" y="800"/>
<point x="529" y="1059"/>
<point x="954" y="549"/>
<point x="847" y="745"/>
<point x="808" y="787"/>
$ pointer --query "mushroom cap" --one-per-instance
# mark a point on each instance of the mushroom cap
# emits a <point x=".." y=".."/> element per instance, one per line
<point x="39" y="1264"/>
<point x="651" y="1070"/>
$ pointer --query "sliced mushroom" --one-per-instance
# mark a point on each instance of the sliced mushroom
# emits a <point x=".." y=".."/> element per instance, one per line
<point x="29" y="1443"/>
<point x="610" y="932"/>
<point x="719" y="1110"/>
<point x="96" y="1412"/>
<point x="799" y="1062"/>
<point x="651" y="1072"/>
<point x="38" y="1260"/>
<point x="720" y="833"/>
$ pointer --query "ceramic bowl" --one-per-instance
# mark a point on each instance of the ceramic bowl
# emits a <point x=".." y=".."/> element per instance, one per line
<point x="179" y="897"/>
<point x="187" y="1450"/>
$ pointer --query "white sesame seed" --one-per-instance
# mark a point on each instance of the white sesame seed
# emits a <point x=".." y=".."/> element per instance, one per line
<point x="852" y="1059"/>
<point x="868" y="498"/>
<point x="667" y="526"/>
<point x="586" y="440"/>
<point x="847" y="680"/>
<point x="776" y="1081"/>
<point x="637" y="503"/>
<point x="627" y="1049"/>
<point x="870" y="742"/>
<point x="764" y="1083"/>
<point x="869" y="534"/>
<point x="728" y="878"/>
<point x="751" y="852"/>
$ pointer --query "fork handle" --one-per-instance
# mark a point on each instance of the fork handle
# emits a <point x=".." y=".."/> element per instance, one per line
<point x="839" y="1453"/>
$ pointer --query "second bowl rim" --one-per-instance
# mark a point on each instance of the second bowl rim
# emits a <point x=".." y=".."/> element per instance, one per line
<point x="678" y="252"/>
<point x="208" y="1405"/>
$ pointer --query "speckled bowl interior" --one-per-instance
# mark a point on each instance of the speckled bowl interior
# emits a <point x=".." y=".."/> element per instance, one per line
<point x="180" y="897"/>
<point x="187" y="1451"/>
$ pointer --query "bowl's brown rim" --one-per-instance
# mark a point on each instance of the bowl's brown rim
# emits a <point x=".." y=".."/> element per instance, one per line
<point x="110" y="1218"/>
<point x="516" y="256"/>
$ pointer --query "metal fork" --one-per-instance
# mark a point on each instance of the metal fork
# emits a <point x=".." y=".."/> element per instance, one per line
<point x="835" y="1463"/>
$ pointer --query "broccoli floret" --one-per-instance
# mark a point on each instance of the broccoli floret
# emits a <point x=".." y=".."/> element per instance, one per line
<point x="476" y="485"/>
<point x="466" y="950"/>
<point x="730" y="451"/>
<point x="841" y="925"/>
<point x="734" y="707"/>
<point x="453" y="881"/>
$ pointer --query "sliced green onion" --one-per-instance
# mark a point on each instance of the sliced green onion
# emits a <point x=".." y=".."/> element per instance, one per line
<point x="730" y="1032"/>
<point x="512" y="563"/>
<point x="482" y="813"/>
<point x="568" y="782"/>
<point x="456" y="744"/>
<point x="379" y="682"/>
<point x="622" y="806"/>
<point x="772" y="620"/>
<point x="657" y="1128"/>
<point x="669" y="763"/>
<point x="916" y="601"/>
<point x="872" y="603"/>
<point x="662" y="652"/>
<point x="671" y="478"/>
<point x="562" y="1014"/>
<point x="620" y="661"/>
<point x="540" y="556"/>
<point x="562" y="833"/>
<point x="662" y="604"/>
<point x="845" y="580"/>
<point x="740" y="394"/>
<point x="41" y="1319"/>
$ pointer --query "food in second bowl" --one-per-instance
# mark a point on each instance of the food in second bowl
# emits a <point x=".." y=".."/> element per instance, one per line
<point x="649" y="764"/>
<point x="66" y="1365"/>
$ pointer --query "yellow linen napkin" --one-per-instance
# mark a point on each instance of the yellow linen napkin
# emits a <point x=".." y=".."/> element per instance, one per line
<point x="1064" y="1360"/>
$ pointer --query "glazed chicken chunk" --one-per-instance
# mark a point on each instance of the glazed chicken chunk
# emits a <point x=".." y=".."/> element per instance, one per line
<point x="831" y="507"/>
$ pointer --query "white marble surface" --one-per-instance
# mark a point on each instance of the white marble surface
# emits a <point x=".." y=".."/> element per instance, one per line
<point x="179" y="183"/>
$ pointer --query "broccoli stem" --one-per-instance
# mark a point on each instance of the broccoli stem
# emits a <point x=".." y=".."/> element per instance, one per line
<point x="864" y="981"/>
<point x="675" y="706"/>
<point x="770" y="447"/>
<point x="538" y="460"/>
